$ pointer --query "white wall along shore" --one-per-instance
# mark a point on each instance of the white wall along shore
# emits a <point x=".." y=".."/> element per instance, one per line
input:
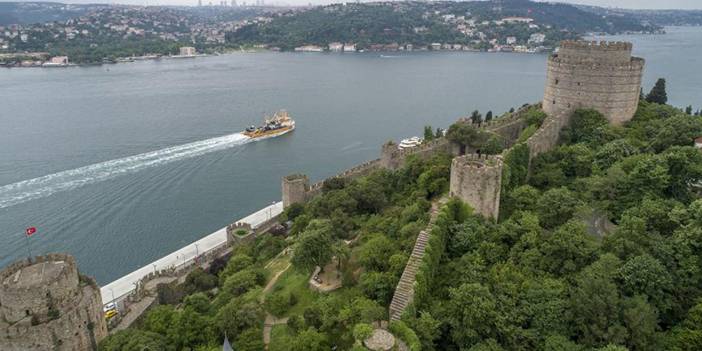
<point x="121" y="287"/>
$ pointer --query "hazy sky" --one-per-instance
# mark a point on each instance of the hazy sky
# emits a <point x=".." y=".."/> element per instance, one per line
<point x="640" y="4"/>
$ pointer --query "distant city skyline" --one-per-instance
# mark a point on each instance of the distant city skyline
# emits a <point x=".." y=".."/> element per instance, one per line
<point x="633" y="4"/>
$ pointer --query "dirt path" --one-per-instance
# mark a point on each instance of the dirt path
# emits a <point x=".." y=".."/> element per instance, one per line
<point x="271" y="320"/>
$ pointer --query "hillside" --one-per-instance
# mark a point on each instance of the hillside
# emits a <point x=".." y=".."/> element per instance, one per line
<point x="473" y="23"/>
<point x="40" y="12"/>
<point x="655" y="17"/>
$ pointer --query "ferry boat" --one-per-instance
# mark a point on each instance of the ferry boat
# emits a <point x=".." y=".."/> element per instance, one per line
<point x="410" y="143"/>
<point x="277" y="125"/>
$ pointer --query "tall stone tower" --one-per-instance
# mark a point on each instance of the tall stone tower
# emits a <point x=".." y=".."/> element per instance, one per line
<point x="598" y="75"/>
<point x="46" y="305"/>
<point x="295" y="187"/>
<point x="477" y="181"/>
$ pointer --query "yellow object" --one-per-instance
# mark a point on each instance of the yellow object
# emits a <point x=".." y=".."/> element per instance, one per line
<point x="109" y="314"/>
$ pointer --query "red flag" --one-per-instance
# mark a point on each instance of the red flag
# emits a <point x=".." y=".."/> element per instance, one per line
<point x="31" y="230"/>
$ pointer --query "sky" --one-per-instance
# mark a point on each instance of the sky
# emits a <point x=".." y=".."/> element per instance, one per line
<point x="638" y="4"/>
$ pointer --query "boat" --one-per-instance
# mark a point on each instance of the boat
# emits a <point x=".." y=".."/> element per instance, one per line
<point x="410" y="143"/>
<point x="277" y="125"/>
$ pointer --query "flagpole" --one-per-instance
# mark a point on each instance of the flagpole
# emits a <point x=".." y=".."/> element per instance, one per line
<point x="29" y="249"/>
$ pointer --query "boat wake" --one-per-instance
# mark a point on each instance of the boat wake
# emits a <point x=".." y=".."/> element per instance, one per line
<point x="37" y="188"/>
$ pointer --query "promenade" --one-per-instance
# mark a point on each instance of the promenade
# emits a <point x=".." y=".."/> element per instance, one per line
<point x="121" y="287"/>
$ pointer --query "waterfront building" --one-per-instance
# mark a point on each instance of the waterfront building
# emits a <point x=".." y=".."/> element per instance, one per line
<point x="349" y="47"/>
<point x="187" y="51"/>
<point x="336" y="47"/>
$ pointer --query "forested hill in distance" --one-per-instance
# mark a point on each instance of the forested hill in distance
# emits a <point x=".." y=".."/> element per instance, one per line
<point x="422" y="23"/>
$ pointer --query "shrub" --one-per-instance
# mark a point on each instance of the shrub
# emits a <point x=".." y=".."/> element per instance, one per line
<point x="404" y="333"/>
<point x="362" y="331"/>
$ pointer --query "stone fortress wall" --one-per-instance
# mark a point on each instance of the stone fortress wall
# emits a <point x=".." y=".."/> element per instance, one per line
<point x="602" y="76"/>
<point x="296" y="188"/>
<point x="599" y="75"/>
<point x="46" y="305"/>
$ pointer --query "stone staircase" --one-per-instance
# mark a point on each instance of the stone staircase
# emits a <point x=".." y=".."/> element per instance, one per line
<point x="404" y="293"/>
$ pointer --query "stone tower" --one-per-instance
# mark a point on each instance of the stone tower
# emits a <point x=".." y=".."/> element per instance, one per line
<point x="477" y="181"/>
<point x="295" y="187"/>
<point x="46" y="305"/>
<point x="598" y="75"/>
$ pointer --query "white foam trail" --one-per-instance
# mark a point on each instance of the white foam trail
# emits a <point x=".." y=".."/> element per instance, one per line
<point x="32" y="189"/>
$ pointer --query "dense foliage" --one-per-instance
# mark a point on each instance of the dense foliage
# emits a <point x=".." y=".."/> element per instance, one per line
<point x="369" y="224"/>
<point x="599" y="248"/>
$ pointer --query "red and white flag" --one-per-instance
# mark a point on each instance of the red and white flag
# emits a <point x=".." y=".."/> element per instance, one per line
<point x="30" y="231"/>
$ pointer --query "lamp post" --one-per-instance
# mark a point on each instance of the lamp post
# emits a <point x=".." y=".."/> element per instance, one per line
<point x="153" y="264"/>
<point x="113" y="299"/>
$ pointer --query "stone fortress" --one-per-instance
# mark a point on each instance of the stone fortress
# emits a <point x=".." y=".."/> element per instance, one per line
<point x="45" y="304"/>
<point x="602" y="76"/>
<point x="597" y="75"/>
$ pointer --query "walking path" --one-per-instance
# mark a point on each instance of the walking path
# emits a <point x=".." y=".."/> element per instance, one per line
<point x="121" y="287"/>
<point x="272" y="320"/>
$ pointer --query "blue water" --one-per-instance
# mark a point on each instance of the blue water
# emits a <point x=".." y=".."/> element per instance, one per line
<point x="119" y="165"/>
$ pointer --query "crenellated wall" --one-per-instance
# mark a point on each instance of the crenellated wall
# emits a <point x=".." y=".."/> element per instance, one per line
<point x="598" y="75"/>
<point x="477" y="180"/>
<point x="46" y="305"/>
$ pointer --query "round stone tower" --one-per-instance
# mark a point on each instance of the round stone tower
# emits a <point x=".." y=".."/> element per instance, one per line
<point x="46" y="305"/>
<point x="598" y="75"/>
<point x="477" y="181"/>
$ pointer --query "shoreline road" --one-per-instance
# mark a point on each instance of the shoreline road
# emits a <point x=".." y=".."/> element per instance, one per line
<point x="121" y="287"/>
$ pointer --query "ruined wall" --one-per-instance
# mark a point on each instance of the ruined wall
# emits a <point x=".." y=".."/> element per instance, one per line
<point x="46" y="305"/>
<point x="477" y="181"/>
<point x="602" y="76"/>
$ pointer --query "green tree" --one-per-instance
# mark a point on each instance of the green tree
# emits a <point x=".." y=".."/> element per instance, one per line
<point x="249" y="340"/>
<point x="378" y="286"/>
<point x="472" y="314"/>
<point x="488" y="116"/>
<point x="688" y="335"/>
<point x="596" y="304"/>
<point x="467" y="135"/>
<point x="236" y="263"/>
<point x="314" y="247"/>
<point x="556" y="206"/>
<point x="310" y="340"/>
<point x="476" y="117"/>
<point x="568" y="249"/>
<point x="428" y="133"/>
<point x="238" y="315"/>
<point x="375" y="253"/>
<point x="641" y="321"/>
<point x="658" y="94"/>
<point x="241" y="282"/>
<point x="584" y="126"/>
<point x="362" y="331"/>
<point x="134" y="340"/>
